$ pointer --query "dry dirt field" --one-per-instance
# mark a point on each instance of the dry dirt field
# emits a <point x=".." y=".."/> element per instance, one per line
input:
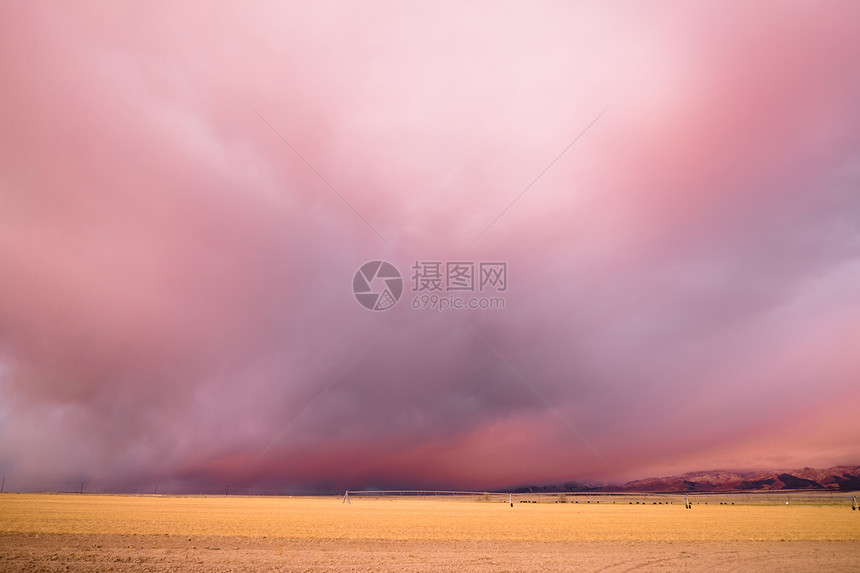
<point x="45" y="532"/>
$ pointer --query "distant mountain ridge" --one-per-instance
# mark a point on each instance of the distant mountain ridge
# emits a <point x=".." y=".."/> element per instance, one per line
<point x="838" y="478"/>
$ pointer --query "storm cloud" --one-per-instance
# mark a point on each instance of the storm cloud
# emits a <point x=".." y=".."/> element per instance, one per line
<point x="186" y="192"/>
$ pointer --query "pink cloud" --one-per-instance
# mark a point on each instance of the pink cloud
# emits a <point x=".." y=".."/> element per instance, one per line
<point x="175" y="296"/>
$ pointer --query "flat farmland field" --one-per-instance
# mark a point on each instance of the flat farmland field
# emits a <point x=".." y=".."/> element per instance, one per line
<point x="56" y="532"/>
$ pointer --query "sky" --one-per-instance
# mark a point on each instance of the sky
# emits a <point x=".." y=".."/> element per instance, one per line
<point x="187" y="191"/>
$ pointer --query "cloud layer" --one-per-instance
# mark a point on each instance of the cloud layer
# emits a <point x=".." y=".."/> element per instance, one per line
<point x="186" y="192"/>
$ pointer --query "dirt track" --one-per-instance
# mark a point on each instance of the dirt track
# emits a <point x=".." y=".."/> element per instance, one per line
<point x="96" y="553"/>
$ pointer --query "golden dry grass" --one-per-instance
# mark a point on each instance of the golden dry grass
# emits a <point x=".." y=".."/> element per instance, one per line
<point x="413" y="519"/>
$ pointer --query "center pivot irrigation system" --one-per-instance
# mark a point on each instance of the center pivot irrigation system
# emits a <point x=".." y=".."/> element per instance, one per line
<point x="424" y="494"/>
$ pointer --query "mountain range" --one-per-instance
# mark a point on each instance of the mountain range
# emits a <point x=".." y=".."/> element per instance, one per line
<point x="839" y="478"/>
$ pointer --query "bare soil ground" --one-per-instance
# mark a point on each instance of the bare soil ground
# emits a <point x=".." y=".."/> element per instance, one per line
<point x="170" y="534"/>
